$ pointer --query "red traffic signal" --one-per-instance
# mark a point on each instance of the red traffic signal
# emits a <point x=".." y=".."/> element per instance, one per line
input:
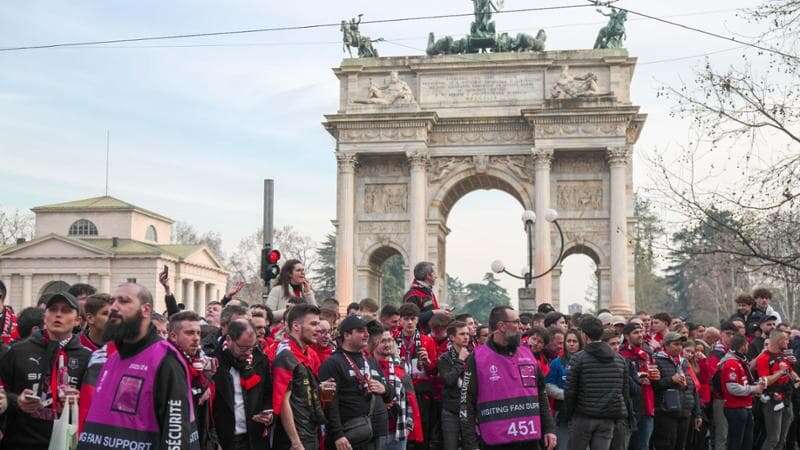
<point x="273" y="257"/>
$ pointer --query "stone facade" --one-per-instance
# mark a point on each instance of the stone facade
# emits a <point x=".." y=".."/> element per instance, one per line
<point x="120" y="251"/>
<point x="486" y="121"/>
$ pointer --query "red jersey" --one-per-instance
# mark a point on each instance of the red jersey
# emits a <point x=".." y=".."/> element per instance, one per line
<point x="712" y="365"/>
<point x="768" y="363"/>
<point x="734" y="370"/>
<point x="642" y="359"/>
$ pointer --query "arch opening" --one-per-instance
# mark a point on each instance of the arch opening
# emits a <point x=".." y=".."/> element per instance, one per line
<point x="385" y="275"/>
<point x="483" y="224"/>
<point x="579" y="280"/>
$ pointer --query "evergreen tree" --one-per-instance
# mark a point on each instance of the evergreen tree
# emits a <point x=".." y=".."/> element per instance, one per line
<point x="393" y="285"/>
<point x="456" y="292"/>
<point x="651" y="290"/>
<point x="324" y="278"/>
<point x="483" y="297"/>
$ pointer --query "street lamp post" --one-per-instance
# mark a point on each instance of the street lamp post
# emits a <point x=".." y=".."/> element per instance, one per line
<point x="528" y="220"/>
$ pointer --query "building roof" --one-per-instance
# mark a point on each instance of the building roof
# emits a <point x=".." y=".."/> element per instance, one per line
<point x="124" y="247"/>
<point x="98" y="204"/>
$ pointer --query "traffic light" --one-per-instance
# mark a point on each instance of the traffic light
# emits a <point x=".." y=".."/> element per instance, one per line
<point x="269" y="264"/>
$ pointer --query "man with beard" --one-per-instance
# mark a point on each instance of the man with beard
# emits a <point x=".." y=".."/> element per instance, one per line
<point x="184" y="334"/>
<point x="142" y="393"/>
<point x="8" y="321"/>
<point x="40" y="372"/>
<point x="358" y="382"/>
<point x="243" y="407"/>
<point x="502" y="375"/>
<point x="95" y="312"/>
<point x="296" y="395"/>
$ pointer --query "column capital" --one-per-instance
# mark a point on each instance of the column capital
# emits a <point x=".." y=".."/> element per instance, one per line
<point x="417" y="159"/>
<point x="542" y="157"/>
<point x="618" y="156"/>
<point x="346" y="162"/>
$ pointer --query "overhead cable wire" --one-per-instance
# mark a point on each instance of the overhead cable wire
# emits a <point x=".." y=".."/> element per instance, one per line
<point x="279" y="28"/>
<point x="709" y="33"/>
<point x="339" y="42"/>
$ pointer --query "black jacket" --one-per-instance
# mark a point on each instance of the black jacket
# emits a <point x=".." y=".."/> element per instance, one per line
<point x="597" y="384"/>
<point x="350" y="400"/>
<point x="256" y="400"/>
<point x="690" y="404"/>
<point x="24" y="366"/>
<point x="468" y="413"/>
<point x="451" y="370"/>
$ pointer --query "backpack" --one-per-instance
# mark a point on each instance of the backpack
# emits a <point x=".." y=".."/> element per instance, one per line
<point x="716" y="382"/>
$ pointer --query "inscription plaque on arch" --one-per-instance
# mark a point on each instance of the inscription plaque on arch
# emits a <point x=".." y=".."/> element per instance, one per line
<point x="466" y="88"/>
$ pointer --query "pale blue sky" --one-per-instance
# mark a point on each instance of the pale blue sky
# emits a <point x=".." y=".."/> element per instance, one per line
<point x="194" y="130"/>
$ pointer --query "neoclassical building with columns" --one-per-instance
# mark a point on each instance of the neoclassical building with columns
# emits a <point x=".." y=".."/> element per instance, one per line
<point x="553" y="129"/>
<point x="104" y="241"/>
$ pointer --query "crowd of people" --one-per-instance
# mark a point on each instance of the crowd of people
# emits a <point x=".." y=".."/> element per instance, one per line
<point x="296" y="374"/>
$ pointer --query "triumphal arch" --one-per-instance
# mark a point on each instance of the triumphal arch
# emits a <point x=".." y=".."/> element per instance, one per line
<point x="554" y="129"/>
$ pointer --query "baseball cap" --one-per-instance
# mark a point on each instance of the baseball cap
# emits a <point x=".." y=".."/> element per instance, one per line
<point x="674" y="336"/>
<point x="618" y="320"/>
<point x="630" y="327"/>
<point x="545" y="308"/>
<point x="606" y="318"/>
<point x="767" y="318"/>
<point x="65" y="297"/>
<point x="351" y="323"/>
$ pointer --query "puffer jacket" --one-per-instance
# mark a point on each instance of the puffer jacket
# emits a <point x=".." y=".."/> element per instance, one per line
<point x="597" y="384"/>
<point x="690" y="404"/>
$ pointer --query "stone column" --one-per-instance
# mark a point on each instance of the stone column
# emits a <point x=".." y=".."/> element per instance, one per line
<point x="345" y="229"/>
<point x="618" y="158"/>
<point x="210" y="290"/>
<point x="105" y="283"/>
<point x="200" y="301"/>
<point x="27" y="290"/>
<point x="7" y="281"/>
<point x="542" y="258"/>
<point x="417" y="194"/>
<point x="178" y="289"/>
<point x="188" y="296"/>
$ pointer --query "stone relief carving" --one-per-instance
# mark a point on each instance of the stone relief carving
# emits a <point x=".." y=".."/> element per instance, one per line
<point x="481" y="163"/>
<point x="441" y="168"/>
<point x="382" y="134"/>
<point x="579" y="164"/>
<point x="571" y="86"/>
<point x="580" y="129"/>
<point x="385" y="198"/>
<point x="396" y="91"/>
<point x="523" y="136"/>
<point x="580" y="195"/>
<point x="382" y="167"/>
<point x="519" y="166"/>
